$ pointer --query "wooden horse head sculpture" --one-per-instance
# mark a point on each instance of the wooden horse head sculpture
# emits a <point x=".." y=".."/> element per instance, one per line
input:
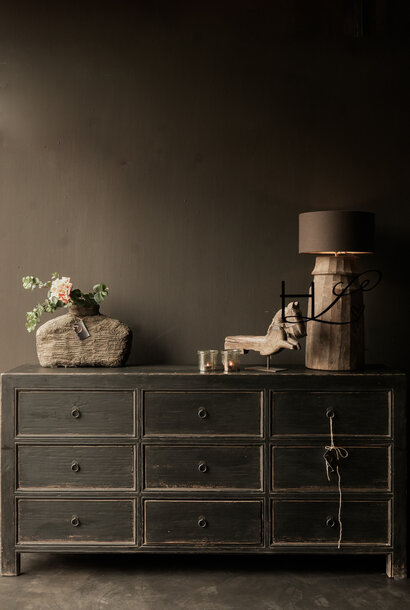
<point x="283" y="333"/>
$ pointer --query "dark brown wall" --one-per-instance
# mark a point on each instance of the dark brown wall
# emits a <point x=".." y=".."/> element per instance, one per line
<point x="167" y="149"/>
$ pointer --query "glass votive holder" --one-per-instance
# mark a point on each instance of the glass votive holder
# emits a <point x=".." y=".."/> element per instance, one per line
<point x="207" y="360"/>
<point x="231" y="360"/>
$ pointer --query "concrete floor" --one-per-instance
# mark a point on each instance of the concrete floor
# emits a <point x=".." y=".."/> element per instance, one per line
<point x="120" y="582"/>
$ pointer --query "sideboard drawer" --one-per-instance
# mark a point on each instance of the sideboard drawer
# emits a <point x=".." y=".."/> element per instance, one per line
<point x="75" y="521"/>
<point x="203" y="467"/>
<point x="316" y="522"/>
<point x="203" y="413"/>
<point x="355" y="413"/>
<point x="190" y="522"/>
<point x="304" y="469"/>
<point x="75" y="413"/>
<point x="75" y="467"/>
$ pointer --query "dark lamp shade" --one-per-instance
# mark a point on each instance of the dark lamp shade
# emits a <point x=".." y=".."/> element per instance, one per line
<point x="336" y="231"/>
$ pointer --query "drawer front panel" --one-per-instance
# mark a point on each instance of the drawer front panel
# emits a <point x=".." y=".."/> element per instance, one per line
<point x="304" y="469"/>
<point x="203" y="413"/>
<point x="220" y="522"/>
<point x="309" y="522"/>
<point x="203" y="467"/>
<point x="75" y="467"/>
<point x="76" y="521"/>
<point x="355" y="413"/>
<point x="76" y="413"/>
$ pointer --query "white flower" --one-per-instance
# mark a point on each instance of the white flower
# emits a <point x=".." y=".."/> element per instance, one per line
<point x="61" y="288"/>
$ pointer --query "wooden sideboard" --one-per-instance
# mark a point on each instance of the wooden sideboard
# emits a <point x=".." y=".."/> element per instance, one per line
<point x="165" y="459"/>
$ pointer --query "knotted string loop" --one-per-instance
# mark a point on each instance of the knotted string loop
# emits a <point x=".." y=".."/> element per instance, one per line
<point x="340" y="453"/>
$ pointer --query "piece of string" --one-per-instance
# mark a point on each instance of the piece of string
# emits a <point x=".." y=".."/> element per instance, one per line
<point x="340" y="452"/>
<point x="77" y="320"/>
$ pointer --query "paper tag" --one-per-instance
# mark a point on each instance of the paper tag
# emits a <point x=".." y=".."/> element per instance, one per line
<point x="81" y="330"/>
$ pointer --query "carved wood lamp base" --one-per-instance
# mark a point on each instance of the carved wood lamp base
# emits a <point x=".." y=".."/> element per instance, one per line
<point x="335" y="341"/>
<point x="335" y="338"/>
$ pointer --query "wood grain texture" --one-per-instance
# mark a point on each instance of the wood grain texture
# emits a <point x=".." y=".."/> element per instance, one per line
<point x="369" y="411"/>
<point x="397" y="562"/>
<point x="355" y="413"/>
<point x="10" y="560"/>
<point x="213" y="523"/>
<point x="305" y="522"/>
<point x="203" y="467"/>
<point x="75" y="467"/>
<point x="339" y="344"/>
<point x="375" y="371"/>
<point x="303" y="468"/>
<point x="50" y="521"/>
<point x="97" y="413"/>
<point x="202" y="413"/>
<point x="283" y="333"/>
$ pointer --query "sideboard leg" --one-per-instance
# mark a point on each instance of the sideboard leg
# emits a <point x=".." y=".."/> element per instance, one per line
<point x="396" y="566"/>
<point x="10" y="562"/>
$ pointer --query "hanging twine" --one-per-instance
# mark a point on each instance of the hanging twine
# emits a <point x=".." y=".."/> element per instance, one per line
<point x="339" y="452"/>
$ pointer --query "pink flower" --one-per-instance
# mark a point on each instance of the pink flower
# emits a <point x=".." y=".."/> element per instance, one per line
<point x="61" y="288"/>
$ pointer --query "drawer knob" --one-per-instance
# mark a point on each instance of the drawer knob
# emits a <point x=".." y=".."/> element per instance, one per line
<point x="75" y="466"/>
<point x="202" y="413"/>
<point x="75" y="521"/>
<point x="330" y="522"/>
<point x="330" y="413"/>
<point x="75" y="412"/>
<point x="202" y="467"/>
<point x="202" y="521"/>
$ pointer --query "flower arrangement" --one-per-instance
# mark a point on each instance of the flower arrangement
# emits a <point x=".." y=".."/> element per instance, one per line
<point x="60" y="294"/>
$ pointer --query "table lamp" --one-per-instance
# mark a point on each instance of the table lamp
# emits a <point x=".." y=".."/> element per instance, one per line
<point x="335" y="338"/>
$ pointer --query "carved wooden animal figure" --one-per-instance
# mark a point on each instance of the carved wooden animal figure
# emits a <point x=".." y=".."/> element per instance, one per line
<point x="281" y="334"/>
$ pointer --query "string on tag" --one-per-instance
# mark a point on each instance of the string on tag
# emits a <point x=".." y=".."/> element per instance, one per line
<point x="340" y="453"/>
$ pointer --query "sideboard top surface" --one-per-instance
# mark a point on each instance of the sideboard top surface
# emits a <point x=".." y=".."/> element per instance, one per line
<point x="180" y="370"/>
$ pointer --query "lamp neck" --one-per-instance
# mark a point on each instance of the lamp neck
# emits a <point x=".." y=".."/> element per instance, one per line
<point x="343" y="264"/>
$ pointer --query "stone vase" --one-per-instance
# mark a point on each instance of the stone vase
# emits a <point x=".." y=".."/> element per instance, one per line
<point x="58" y="344"/>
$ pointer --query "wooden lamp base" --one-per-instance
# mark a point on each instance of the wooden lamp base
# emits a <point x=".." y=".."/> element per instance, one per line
<point x="335" y="347"/>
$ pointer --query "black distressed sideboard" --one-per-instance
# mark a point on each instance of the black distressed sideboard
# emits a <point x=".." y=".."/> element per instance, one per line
<point x="165" y="459"/>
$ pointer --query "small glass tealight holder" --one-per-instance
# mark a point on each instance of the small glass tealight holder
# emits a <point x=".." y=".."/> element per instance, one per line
<point x="231" y="360"/>
<point x="207" y="360"/>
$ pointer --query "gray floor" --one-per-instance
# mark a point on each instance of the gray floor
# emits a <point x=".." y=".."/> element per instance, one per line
<point x="91" y="582"/>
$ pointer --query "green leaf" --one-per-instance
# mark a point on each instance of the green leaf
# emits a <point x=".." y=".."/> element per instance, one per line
<point x="76" y="295"/>
<point x="30" y="282"/>
<point x="100" y="292"/>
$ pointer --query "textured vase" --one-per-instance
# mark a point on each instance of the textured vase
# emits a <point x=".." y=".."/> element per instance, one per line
<point x="58" y="343"/>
